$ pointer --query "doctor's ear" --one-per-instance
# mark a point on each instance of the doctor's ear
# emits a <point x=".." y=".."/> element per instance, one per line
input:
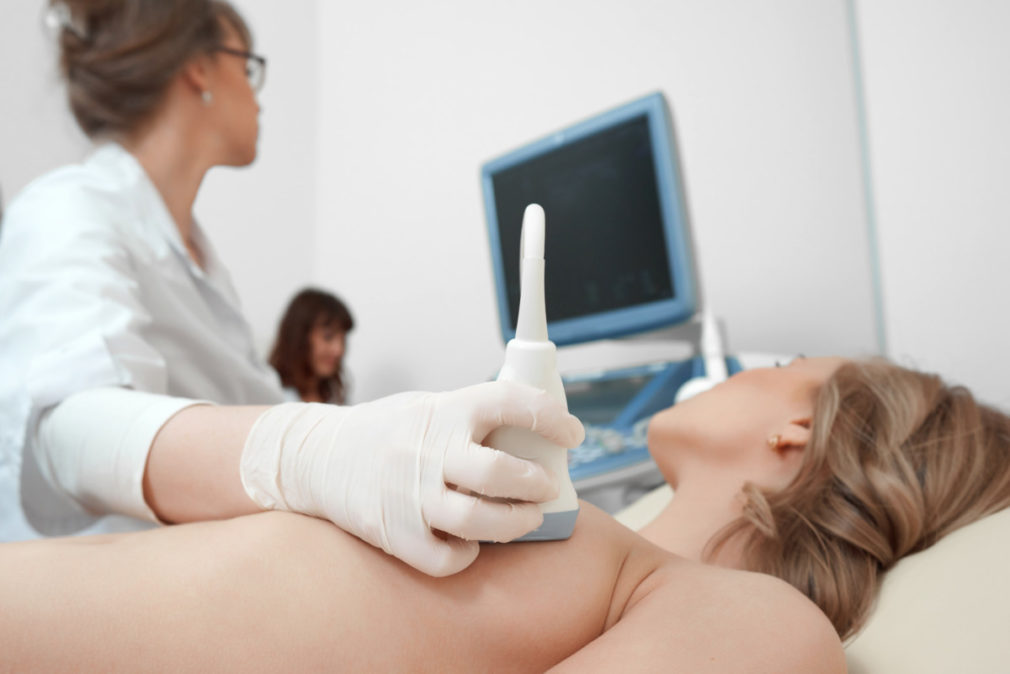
<point x="196" y="75"/>
<point x="792" y="439"/>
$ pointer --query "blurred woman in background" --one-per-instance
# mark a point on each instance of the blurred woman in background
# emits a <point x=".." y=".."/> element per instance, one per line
<point x="308" y="353"/>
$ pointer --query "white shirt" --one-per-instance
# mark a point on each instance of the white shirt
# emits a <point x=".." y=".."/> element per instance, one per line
<point x="98" y="290"/>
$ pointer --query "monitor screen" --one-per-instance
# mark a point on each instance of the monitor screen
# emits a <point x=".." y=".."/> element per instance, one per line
<point x="617" y="251"/>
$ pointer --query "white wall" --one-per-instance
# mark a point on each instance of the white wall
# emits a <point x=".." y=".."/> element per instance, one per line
<point x="262" y="219"/>
<point x="937" y="79"/>
<point x="415" y="96"/>
<point x="37" y="132"/>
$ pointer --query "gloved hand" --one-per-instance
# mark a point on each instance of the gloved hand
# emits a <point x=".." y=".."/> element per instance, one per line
<point x="383" y="470"/>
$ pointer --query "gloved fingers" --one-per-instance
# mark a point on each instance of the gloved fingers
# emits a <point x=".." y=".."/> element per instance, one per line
<point x="478" y="519"/>
<point x="492" y="472"/>
<point x="439" y="557"/>
<point x="507" y="403"/>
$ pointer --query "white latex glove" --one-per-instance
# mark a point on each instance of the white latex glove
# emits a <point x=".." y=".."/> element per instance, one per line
<point x="383" y="470"/>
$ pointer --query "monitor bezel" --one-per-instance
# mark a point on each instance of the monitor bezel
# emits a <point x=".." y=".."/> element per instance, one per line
<point x="673" y="208"/>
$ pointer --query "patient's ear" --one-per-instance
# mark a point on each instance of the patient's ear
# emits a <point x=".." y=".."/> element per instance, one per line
<point x="794" y="437"/>
<point x="787" y="448"/>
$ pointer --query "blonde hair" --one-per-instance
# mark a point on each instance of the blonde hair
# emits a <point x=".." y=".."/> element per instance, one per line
<point x="896" y="461"/>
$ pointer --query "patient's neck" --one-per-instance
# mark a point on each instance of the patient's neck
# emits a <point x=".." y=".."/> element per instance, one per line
<point x="700" y="508"/>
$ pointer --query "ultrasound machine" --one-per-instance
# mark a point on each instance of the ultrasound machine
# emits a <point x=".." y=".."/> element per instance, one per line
<point x="619" y="262"/>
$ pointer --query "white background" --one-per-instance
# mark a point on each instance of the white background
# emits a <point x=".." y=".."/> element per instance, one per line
<point x="937" y="77"/>
<point x="377" y="117"/>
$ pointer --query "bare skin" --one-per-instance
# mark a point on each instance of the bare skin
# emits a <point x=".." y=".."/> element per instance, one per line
<point x="187" y="136"/>
<point x="279" y="591"/>
<point x="327" y="346"/>
<point x="709" y="446"/>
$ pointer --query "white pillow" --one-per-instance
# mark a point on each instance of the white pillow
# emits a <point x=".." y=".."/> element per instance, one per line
<point x="943" y="610"/>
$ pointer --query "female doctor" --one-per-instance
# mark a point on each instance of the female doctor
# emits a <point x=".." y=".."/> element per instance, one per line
<point x="118" y="325"/>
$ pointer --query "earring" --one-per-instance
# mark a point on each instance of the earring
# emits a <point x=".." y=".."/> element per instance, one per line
<point x="207" y="97"/>
<point x="774" y="442"/>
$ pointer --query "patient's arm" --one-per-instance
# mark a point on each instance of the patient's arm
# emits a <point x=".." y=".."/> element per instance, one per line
<point x="278" y="591"/>
<point x="285" y="592"/>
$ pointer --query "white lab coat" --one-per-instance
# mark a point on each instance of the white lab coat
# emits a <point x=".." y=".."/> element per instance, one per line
<point x="98" y="290"/>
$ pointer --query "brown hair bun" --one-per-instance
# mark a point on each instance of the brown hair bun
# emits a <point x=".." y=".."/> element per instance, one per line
<point x="119" y="56"/>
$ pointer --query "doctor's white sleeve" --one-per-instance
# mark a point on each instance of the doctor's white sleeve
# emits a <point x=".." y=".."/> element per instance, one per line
<point x="72" y="321"/>
<point x="94" y="447"/>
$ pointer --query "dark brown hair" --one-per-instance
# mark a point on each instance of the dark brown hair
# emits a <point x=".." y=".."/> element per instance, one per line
<point x="119" y="56"/>
<point x="896" y="461"/>
<point x="292" y="352"/>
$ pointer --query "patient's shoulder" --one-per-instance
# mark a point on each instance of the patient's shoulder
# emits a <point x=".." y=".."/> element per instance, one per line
<point x="784" y="623"/>
<point x="749" y="621"/>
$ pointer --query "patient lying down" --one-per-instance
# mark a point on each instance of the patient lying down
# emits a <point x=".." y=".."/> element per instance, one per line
<point x="281" y="591"/>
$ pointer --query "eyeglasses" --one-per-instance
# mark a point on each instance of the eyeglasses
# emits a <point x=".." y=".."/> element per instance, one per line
<point x="255" y="66"/>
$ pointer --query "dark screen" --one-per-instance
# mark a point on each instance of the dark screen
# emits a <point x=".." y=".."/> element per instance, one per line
<point x="606" y="245"/>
